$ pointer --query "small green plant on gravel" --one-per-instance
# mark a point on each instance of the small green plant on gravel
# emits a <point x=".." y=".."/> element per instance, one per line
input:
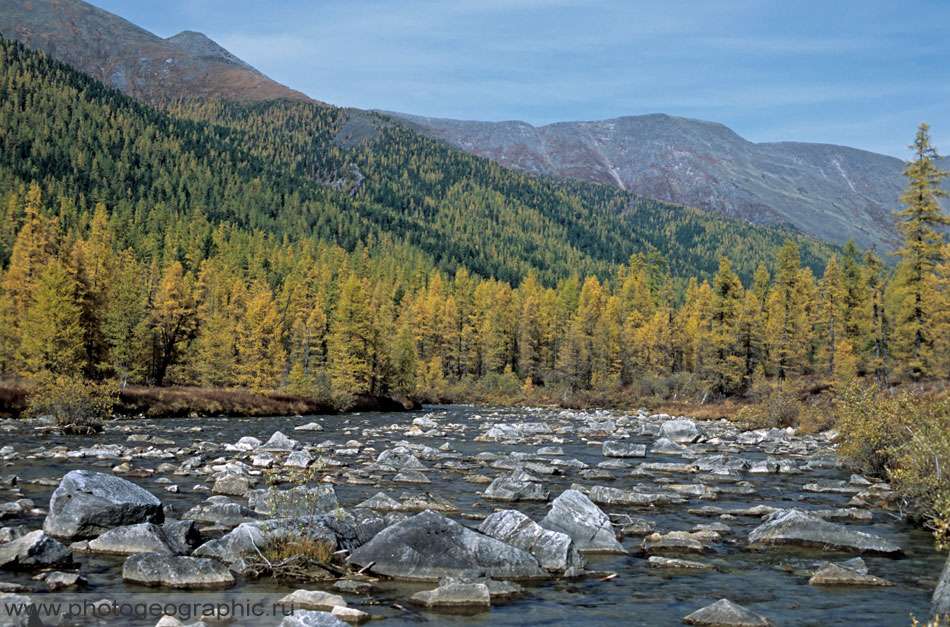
<point x="74" y="404"/>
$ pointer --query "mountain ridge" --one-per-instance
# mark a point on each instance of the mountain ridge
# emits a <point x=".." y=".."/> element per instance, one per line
<point x="828" y="191"/>
<point x="132" y="59"/>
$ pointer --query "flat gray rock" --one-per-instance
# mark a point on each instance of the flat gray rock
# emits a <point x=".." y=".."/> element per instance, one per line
<point x="587" y="525"/>
<point x="511" y="490"/>
<point x="794" y="527"/>
<point x="140" y="538"/>
<point x="472" y="595"/>
<point x="612" y="448"/>
<point x="725" y="613"/>
<point x="34" y="550"/>
<point x="186" y="573"/>
<point x="429" y="546"/>
<point x="88" y="503"/>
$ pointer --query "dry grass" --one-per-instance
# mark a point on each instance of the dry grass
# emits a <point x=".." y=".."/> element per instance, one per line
<point x="184" y="401"/>
<point x="298" y="546"/>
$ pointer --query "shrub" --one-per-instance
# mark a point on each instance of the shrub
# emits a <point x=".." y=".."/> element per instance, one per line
<point x="75" y="404"/>
<point x="907" y="440"/>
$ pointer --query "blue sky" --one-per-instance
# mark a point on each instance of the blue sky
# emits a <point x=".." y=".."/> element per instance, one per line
<point x="860" y="73"/>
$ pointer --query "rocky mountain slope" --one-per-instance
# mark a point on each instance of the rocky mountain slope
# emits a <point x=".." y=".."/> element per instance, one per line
<point x="830" y="192"/>
<point x="127" y="57"/>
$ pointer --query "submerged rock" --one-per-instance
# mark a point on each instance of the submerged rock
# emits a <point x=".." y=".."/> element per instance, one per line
<point x="187" y="573"/>
<point x="310" y="618"/>
<point x="510" y="490"/>
<point x="794" y="527"/>
<point x="88" y="503"/>
<point x="587" y="525"/>
<point x="429" y="546"/>
<point x="725" y="613"/>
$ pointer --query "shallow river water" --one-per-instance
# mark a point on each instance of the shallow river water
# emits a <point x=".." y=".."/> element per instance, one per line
<point x="771" y="582"/>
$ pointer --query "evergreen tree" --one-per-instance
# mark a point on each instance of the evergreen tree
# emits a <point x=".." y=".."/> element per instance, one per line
<point x="921" y="252"/>
<point x="52" y="328"/>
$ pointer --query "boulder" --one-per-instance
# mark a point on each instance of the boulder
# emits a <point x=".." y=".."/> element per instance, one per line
<point x="88" y="503"/>
<point x="311" y="600"/>
<point x="309" y="618"/>
<point x="429" y="546"/>
<point x="510" y="490"/>
<point x="555" y="551"/>
<point x="381" y="502"/>
<point x="140" y="538"/>
<point x="220" y="513"/>
<point x="187" y="573"/>
<point x="794" y="527"/>
<point x="612" y="448"/>
<point x="681" y="431"/>
<point x="34" y="550"/>
<point x="184" y="531"/>
<point x="455" y="594"/>
<point x="411" y="476"/>
<point x="501" y="432"/>
<point x="298" y="459"/>
<point x="279" y="442"/>
<point x="676" y="543"/>
<point x="310" y="426"/>
<point x="233" y="485"/>
<point x="400" y="458"/>
<point x="725" y="613"/>
<point x="574" y="514"/>
<point x="940" y="603"/>
<point x="841" y="575"/>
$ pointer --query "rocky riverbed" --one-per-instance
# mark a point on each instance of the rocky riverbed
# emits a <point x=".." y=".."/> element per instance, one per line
<point x="460" y="515"/>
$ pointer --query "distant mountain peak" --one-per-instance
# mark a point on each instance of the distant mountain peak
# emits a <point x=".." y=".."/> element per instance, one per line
<point x="132" y="59"/>
<point x="830" y="192"/>
<point x="200" y="44"/>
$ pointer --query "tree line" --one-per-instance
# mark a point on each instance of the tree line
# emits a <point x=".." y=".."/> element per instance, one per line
<point x="258" y="311"/>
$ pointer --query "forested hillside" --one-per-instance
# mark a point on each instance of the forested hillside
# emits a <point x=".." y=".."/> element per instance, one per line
<point x="295" y="246"/>
<point x="275" y="167"/>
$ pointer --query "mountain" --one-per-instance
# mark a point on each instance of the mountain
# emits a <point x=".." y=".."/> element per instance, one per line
<point x="831" y="192"/>
<point x="129" y="58"/>
<point x="299" y="171"/>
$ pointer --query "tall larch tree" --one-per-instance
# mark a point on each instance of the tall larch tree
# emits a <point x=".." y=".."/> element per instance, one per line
<point x="52" y="326"/>
<point x="921" y="252"/>
<point x="725" y="363"/>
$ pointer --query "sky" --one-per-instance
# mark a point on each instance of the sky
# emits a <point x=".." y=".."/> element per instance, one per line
<point x="859" y="73"/>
